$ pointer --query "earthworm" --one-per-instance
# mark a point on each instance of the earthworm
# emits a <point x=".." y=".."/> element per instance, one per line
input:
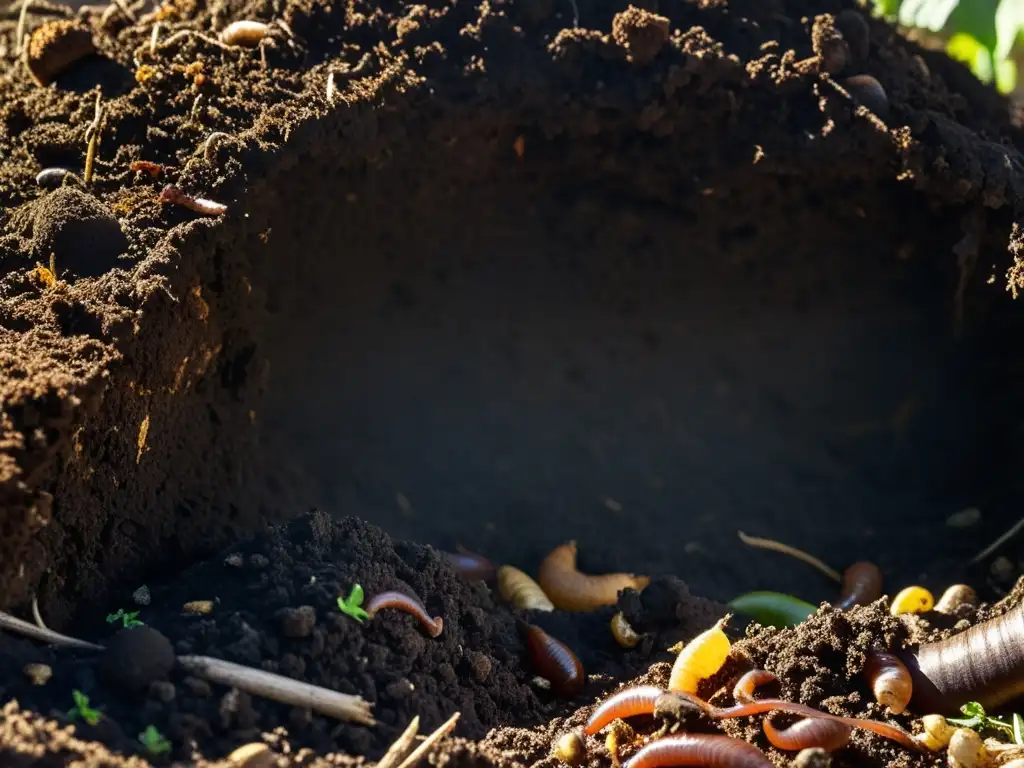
<point x="522" y="591"/>
<point x="983" y="664"/>
<point x="699" y="750"/>
<point x="890" y="681"/>
<point x="244" y="33"/>
<point x="702" y="657"/>
<point x="623" y="632"/>
<point x="810" y="732"/>
<point x="862" y="584"/>
<point x="470" y="566"/>
<point x="171" y="194"/>
<point x="553" y="660"/>
<point x="639" y="700"/>
<point x="743" y="691"/>
<point x="912" y="600"/>
<point x="954" y="597"/>
<point x="571" y="590"/>
<point x="409" y="604"/>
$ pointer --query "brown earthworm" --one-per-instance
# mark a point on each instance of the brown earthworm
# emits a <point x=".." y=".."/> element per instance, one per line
<point x="411" y="605"/>
<point x="983" y="664"/>
<point x="571" y="590"/>
<point x="553" y="660"/>
<point x="743" y="691"/>
<point x="639" y="700"/>
<point x="890" y="681"/>
<point x="699" y="750"/>
<point x="862" y="584"/>
<point x="171" y="194"/>
<point x="809" y="732"/>
<point x="470" y="566"/>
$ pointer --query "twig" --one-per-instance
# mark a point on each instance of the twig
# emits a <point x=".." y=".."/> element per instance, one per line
<point x="332" y="90"/>
<point x="122" y="6"/>
<point x="998" y="542"/>
<point x="401" y="745"/>
<point x="19" y="34"/>
<point x="282" y="689"/>
<point x="430" y="741"/>
<point x="207" y="146"/>
<point x="35" y="600"/>
<point x="12" y="624"/>
<point x="778" y="546"/>
<point x="92" y="134"/>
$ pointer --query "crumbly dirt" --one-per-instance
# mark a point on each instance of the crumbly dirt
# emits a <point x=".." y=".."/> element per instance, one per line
<point x="501" y="274"/>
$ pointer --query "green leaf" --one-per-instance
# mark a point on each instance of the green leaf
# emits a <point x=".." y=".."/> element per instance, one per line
<point x="773" y="609"/>
<point x="1009" y="23"/>
<point x="1018" y="728"/>
<point x="350" y="606"/>
<point x="82" y="708"/>
<point x="963" y="47"/>
<point x="154" y="741"/>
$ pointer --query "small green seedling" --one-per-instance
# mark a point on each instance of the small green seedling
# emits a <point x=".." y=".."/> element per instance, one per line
<point x="129" y="620"/>
<point x="154" y="741"/>
<point x="351" y="605"/>
<point x="976" y="718"/>
<point x="82" y="709"/>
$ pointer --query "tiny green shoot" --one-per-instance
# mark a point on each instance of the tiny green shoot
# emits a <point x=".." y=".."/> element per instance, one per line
<point x="82" y="709"/>
<point x="351" y="606"/>
<point x="975" y="717"/>
<point x="127" y="619"/>
<point x="154" y="741"/>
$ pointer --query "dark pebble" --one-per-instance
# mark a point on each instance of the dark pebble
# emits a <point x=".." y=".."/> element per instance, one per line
<point x="51" y="178"/>
<point x="79" y="231"/>
<point x="868" y="92"/>
<point x="135" y="658"/>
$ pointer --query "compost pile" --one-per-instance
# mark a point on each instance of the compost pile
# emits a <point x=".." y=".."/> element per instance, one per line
<point x="132" y="315"/>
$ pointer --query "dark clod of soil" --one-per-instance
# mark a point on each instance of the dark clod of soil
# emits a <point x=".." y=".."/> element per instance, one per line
<point x="55" y="46"/>
<point x="640" y="33"/>
<point x="135" y="658"/>
<point x="78" y="230"/>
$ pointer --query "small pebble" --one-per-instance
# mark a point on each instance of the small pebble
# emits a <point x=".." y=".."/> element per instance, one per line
<point x="297" y="622"/>
<point x="570" y="749"/>
<point x="255" y="755"/>
<point x="965" y="518"/>
<point x="235" y="560"/>
<point x="51" y="178"/>
<point x="813" y="757"/>
<point x="162" y="690"/>
<point x="39" y="674"/>
<point x="868" y="92"/>
<point x="197" y="686"/>
<point x="198" y="607"/>
<point x="141" y="595"/>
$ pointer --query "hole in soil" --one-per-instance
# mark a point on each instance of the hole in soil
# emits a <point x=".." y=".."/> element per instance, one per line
<point x="525" y="356"/>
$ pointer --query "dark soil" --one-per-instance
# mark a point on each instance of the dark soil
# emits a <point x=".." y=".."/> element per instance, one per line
<point x="639" y="281"/>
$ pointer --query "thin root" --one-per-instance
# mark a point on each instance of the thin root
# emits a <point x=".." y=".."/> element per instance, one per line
<point x="428" y="743"/>
<point x="35" y="600"/>
<point x="401" y="746"/>
<point x="11" y="624"/>
<point x="999" y="542"/>
<point x="799" y="554"/>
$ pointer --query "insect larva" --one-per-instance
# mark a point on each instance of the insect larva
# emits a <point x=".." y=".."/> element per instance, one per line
<point x="244" y="33"/>
<point x="862" y="584"/>
<point x="623" y="633"/>
<point x="966" y="749"/>
<point x="639" y="700"/>
<point x="710" y="751"/>
<point x="912" y="600"/>
<point x="571" y="590"/>
<point x="954" y="597"/>
<point x="171" y="194"/>
<point x="147" y="167"/>
<point x="403" y="602"/>
<point x="51" y="178"/>
<point x="522" y="591"/>
<point x="570" y="749"/>
<point x="983" y="664"/>
<point x="743" y="691"/>
<point x="936" y="732"/>
<point x="554" y="661"/>
<point x="809" y="732"/>
<point x="889" y="679"/>
<point x="702" y="657"/>
<point x="470" y="566"/>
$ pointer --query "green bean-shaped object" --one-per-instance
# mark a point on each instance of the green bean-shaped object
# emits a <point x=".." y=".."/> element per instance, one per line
<point x="773" y="609"/>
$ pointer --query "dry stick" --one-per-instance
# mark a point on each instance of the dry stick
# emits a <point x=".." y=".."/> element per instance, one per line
<point x="778" y="546"/>
<point x="401" y="745"/>
<point x="430" y="741"/>
<point x="999" y="542"/>
<point x="282" y="689"/>
<point x="92" y="136"/>
<point x="12" y="624"/>
<point x="19" y="34"/>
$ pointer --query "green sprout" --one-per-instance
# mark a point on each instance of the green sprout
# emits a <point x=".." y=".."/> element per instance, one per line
<point x="82" y="709"/>
<point x="129" y="620"/>
<point x="154" y="741"/>
<point x="976" y="718"/>
<point x="351" y="605"/>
